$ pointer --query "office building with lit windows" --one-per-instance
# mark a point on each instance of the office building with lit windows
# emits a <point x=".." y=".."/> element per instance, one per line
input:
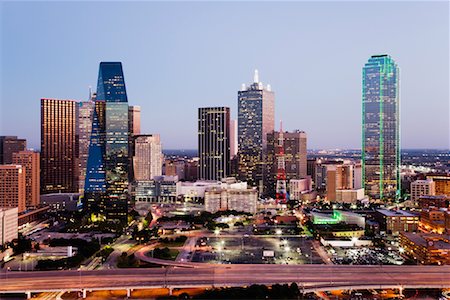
<point x="214" y="142"/>
<point x="148" y="157"/>
<point x="381" y="128"/>
<point x="256" y="113"/>
<point x="30" y="162"/>
<point x="59" y="146"/>
<point x="13" y="187"/>
<point x="106" y="185"/>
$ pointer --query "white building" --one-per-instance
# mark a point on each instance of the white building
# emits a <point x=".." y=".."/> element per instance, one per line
<point x="147" y="160"/>
<point x="195" y="191"/>
<point x="231" y="199"/>
<point x="422" y="188"/>
<point x="9" y="225"/>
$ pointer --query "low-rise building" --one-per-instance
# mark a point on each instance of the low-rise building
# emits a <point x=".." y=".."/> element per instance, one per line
<point x="426" y="248"/>
<point x="9" y="227"/>
<point x="395" y="221"/>
<point x="61" y="201"/>
<point x="338" y="216"/>
<point x="350" y="195"/>
<point x="162" y="189"/>
<point x="439" y="201"/>
<point x="231" y="199"/>
<point x="433" y="219"/>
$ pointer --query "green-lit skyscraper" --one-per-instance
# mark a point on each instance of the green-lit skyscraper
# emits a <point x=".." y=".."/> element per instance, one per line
<point x="381" y="128"/>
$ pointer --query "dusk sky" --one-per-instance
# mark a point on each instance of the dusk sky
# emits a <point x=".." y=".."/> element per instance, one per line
<point x="179" y="56"/>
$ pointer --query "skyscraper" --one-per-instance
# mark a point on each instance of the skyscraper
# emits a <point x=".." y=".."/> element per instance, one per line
<point x="29" y="160"/>
<point x="148" y="156"/>
<point x="10" y="145"/>
<point x="59" y="146"/>
<point x="85" y="115"/>
<point x="294" y="157"/>
<point x="214" y="142"/>
<point x="106" y="188"/>
<point x="381" y="128"/>
<point x="256" y="112"/>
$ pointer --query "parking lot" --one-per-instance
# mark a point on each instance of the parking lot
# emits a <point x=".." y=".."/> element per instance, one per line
<point x="257" y="250"/>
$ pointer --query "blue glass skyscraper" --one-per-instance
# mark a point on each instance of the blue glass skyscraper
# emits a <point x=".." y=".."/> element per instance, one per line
<point x="106" y="188"/>
<point x="381" y="128"/>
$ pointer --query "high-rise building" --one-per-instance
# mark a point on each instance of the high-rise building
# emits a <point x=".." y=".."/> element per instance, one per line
<point x="381" y="128"/>
<point x="106" y="188"/>
<point x="422" y="188"/>
<point x="30" y="162"/>
<point x="294" y="158"/>
<point x="134" y="120"/>
<point x="256" y="113"/>
<point x="8" y="146"/>
<point x="214" y="142"/>
<point x="134" y="128"/>
<point x="148" y="156"/>
<point x="13" y="187"/>
<point x="59" y="146"/>
<point x="85" y="115"/>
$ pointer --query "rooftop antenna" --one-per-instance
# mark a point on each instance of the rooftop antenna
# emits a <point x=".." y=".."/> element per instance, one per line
<point x="256" y="77"/>
<point x="90" y="92"/>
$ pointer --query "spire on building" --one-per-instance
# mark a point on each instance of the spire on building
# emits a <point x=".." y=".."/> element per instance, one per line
<point x="256" y="77"/>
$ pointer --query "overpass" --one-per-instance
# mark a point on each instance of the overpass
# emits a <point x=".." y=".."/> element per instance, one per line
<point x="309" y="278"/>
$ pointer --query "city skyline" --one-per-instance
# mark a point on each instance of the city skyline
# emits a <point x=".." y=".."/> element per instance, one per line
<point x="295" y="71"/>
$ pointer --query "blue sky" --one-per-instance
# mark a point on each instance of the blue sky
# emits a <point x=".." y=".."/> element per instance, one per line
<point x="178" y="56"/>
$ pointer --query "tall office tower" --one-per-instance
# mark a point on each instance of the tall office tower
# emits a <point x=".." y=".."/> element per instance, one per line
<point x="214" y="142"/>
<point x="256" y="113"/>
<point x="233" y="138"/>
<point x="10" y="145"/>
<point x="85" y="115"/>
<point x="134" y="127"/>
<point x="29" y="160"/>
<point x="381" y="128"/>
<point x="294" y="157"/>
<point x="59" y="146"/>
<point x="13" y="187"/>
<point x="148" y="156"/>
<point x="106" y="188"/>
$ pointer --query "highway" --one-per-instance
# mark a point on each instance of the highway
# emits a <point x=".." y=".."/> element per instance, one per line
<point x="309" y="277"/>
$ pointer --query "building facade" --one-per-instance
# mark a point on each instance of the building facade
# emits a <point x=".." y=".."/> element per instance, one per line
<point x="106" y="188"/>
<point x="381" y="128"/>
<point x="30" y="162"/>
<point x="256" y="118"/>
<point x="85" y="114"/>
<point x="422" y="188"/>
<point x="214" y="142"/>
<point x="13" y="187"/>
<point x="294" y="145"/>
<point x="147" y="160"/>
<point x="59" y="146"/>
<point x="9" y="225"/>
<point x="8" y="146"/>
